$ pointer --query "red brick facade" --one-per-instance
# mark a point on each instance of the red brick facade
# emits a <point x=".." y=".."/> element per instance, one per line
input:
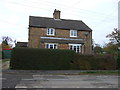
<point x="39" y="36"/>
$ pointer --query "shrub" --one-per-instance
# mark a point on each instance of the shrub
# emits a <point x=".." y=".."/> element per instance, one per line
<point x="52" y="59"/>
<point x="118" y="60"/>
<point x="41" y="59"/>
<point x="87" y="62"/>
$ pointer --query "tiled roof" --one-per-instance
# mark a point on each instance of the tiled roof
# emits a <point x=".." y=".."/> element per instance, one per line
<point x="21" y="44"/>
<point x="57" y="23"/>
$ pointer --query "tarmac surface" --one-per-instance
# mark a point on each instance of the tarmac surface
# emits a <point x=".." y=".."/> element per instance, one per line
<point x="56" y="79"/>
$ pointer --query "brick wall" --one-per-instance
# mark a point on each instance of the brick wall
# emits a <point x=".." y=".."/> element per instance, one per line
<point x="63" y="46"/>
<point x="36" y="33"/>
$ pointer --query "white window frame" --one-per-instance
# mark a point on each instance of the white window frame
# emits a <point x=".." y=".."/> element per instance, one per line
<point x="50" y="32"/>
<point x="49" y="44"/>
<point x="72" y="33"/>
<point x="75" y="45"/>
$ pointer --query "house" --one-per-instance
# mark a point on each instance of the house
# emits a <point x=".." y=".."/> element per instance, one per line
<point x="21" y="44"/>
<point x="57" y="33"/>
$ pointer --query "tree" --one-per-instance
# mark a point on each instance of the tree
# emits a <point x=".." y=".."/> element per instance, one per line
<point x="114" y="36"/>
<point x="98" y="49"/>
<point x="110" y="48"/>
<point x="7" y="42"/>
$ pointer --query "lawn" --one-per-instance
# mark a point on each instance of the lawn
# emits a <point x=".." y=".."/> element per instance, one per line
<point x="5" y="60"/>
<point x="101" y="72"/>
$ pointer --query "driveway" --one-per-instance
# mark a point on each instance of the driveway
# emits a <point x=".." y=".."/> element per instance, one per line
<point x="56" y="79"/>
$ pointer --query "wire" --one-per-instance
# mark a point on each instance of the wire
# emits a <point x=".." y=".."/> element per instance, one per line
<point x="28" y="5"/>
<point x="93" y="18"/>
<point x="66" y="7"/>
<point x="76" y="14"/>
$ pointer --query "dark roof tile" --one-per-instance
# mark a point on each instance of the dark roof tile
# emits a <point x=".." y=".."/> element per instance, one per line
<point x="57" y="23"/>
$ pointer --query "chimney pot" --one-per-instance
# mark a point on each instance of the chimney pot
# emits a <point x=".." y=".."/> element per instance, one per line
<point x="56" y="14"/>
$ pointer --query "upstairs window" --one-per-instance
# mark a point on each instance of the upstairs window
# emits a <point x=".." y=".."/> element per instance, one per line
<point x="73" y="33"/>
<point x="51" y="31"/>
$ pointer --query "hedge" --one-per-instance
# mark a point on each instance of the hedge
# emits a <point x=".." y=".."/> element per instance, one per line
<point x="98" y="62"/>
<point x="54" y="59"/>
<point x="118" y="60"/>
<point x="41" y="59"/>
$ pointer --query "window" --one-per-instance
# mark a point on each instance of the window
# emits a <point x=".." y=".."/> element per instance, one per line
<point x="51" y="46"/>
<point x="75" y="47"/>
<point x="73" y="33"/>
<point x="51" y="31"/>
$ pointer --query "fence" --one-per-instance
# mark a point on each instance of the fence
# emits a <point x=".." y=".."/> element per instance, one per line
<point x="6" y="53"/>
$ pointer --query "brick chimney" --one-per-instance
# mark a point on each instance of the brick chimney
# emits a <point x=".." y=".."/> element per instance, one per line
<point x="56" y="14"/>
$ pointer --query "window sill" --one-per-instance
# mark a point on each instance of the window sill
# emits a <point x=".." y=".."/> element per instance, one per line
<point x="50" y="35"/>
<point x="73" y="36"/>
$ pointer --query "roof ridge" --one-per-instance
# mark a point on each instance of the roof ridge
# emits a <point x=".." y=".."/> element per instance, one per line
<point x="38" y="21"/>
<point x="55" y="19"/>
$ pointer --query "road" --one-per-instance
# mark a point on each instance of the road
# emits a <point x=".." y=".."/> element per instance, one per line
<point x="49" y="79"/>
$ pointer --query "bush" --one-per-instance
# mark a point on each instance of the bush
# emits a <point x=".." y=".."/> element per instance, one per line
<point x="52" y="59"/>
<point x="99" y="62"/>
<point x="41" y="59"/>
<point x="118" y="60"/>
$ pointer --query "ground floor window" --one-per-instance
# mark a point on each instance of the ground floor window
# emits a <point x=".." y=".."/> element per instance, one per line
<point x="51" y="45"/>
<point x="75" y="47"/>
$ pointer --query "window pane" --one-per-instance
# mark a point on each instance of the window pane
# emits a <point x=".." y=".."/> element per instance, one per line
<point x="75" y="48"/>
<point x="55" y="46"/>
<point x="48" y="32"/>
<point x="70" y="47"/>
<point x="51" y="46"/>
<point x="71" y="33"/>
<point x="75" y="33"/>
<point x="78" y="49"/>
<point x="47" y="45"/>
<point x="51" y="31"/>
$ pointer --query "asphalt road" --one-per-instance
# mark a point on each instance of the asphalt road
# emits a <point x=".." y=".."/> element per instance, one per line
<point x="49" y="79"/>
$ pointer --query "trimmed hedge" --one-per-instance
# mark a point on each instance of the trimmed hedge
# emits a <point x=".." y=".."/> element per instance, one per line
<point x="118" y="60"/>
<point x="54" y="59"/>
<point x="98" y="62"/>
<point x="41" y="59"/>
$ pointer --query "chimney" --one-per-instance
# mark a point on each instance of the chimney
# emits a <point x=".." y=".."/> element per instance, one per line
<point x="56" y="14"/>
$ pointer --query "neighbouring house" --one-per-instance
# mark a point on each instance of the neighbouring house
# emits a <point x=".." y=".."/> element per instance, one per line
<point x="57" y="33"/>
<point x="21" y="44"/>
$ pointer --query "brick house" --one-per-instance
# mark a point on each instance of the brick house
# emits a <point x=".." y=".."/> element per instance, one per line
<point x="56" y="33"/>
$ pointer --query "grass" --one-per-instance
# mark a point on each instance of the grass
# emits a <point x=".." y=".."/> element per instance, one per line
<point x="105" y="72"/>
<point x="5" y="60"/>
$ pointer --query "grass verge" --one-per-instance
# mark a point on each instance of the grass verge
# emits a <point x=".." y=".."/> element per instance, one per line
<point x="5" y="60"/>
<point x="107" y="72"/>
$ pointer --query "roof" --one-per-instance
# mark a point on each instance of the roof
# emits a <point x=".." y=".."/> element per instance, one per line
<point x="57" y="23"/>
<point x="21" y="44"/>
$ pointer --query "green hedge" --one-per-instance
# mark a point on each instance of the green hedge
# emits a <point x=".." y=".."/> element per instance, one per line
<point x="99" y="62"/>
<point x="54" y="59"/>
<point x="41" y="59"/>
<point x="118" y="60"/>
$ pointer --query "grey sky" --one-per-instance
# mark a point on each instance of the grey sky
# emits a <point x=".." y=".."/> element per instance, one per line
<point x="100" y="15"/>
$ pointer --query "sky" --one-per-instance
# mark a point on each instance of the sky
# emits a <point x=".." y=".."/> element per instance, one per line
<point x="100" y="15"/>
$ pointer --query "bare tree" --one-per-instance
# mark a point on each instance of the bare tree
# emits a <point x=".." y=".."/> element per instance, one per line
<point x="7" y="41"/>
<point x="114" y="36"/>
